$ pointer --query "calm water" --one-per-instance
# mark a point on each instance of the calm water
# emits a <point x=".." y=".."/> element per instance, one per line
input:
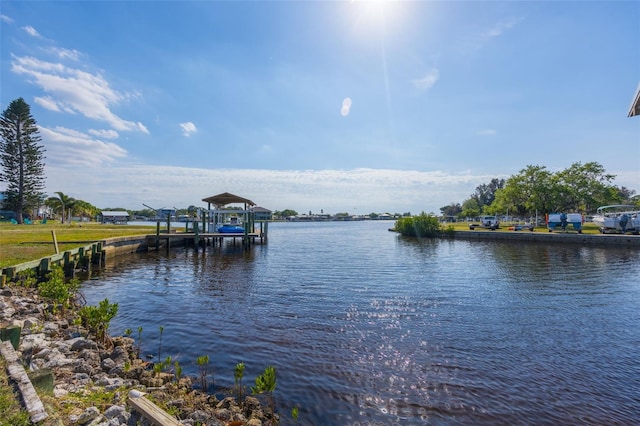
<point x="366" y="327"/>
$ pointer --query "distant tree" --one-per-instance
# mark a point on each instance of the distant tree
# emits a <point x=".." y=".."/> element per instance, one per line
<point x="85" y="209"/>
<point x="373" y="215"/>
<point x="583" y="187"/>
<point x="62" y="204"/>
<point x="286" y="213"/>
<point x="22" y="159"/>
<point x="148" y="213"/>
<point x="486" y="193"/>
<point x="453" y="209"/>
<point x="470" y="208"/>
<point x="525" y="192"/>
<point x="625" y="195"/>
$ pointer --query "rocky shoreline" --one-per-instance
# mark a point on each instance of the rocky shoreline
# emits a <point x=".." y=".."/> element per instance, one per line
<point x="91" y="380"/>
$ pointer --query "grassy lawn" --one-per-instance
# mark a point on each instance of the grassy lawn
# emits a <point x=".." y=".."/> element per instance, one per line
<point x="23" y="243"/>
<point x="587" y="228"/>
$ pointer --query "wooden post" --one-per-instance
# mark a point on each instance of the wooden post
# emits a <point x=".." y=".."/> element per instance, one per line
<point x="45" y="266"/>
<point x="157" y="235"/>
<point x="55" y="241"/>
<point x="11" y="334"/>
<point x="10" y="272"/>
<point x="68" y="264"/>
<point x="156" y="415"/>
<point x="16" y="371"/>
<point x="196" y="237"/>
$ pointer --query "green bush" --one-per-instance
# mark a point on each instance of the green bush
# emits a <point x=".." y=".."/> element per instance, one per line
<point x="422" y="226"/>
<point x="97" y="318"/>
<point x="57" y="289"/>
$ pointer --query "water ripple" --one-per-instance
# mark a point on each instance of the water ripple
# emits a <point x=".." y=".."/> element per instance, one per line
<point x="365" y="327"/>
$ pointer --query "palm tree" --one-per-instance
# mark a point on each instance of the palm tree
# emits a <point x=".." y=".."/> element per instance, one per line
<point x="61" y="203"/>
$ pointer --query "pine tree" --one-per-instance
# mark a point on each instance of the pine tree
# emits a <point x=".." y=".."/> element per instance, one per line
<point x="21" y="158"/>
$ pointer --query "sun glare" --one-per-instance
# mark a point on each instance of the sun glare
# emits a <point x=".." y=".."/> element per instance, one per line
<point x="375" y="15"/>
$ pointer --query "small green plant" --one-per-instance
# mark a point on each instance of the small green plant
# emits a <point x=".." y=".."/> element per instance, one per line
<point x="238" y="374"/>
<point x="157" y="368"/>
<point x="58" y="290"/>
<point x="26" y="278"/>
<point x="266" y="384"/>
<point x="203" y="362"/>
<point x="294" y="414"/>
<point x="164" y="366"/>
<point x="177" y="371"/>
<point x="96" y="318"/>
<point x="127" y="332"/>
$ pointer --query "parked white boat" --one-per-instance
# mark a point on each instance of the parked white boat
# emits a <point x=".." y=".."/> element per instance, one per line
<point x="618" y="218"/>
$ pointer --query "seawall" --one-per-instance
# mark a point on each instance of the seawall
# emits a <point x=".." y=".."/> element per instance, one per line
<point x="617" y="240"/>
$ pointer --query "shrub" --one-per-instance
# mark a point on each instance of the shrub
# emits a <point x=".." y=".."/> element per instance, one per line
<point x="57" y="289"/>
<point x="96" y="318"/>
<point x="422" y="226"/>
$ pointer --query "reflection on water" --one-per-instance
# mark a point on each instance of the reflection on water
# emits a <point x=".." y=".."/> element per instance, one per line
<point x="365" y="327"/>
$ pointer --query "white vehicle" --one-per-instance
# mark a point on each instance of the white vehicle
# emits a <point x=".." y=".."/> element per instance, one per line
<point x="487" y="222"/>
<point x="618" y="218"/>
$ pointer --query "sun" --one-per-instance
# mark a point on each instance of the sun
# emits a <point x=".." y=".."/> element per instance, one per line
<point x="375" y="15"/>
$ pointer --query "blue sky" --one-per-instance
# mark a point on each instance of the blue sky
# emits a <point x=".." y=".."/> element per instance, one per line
<point x="381" y="106"/>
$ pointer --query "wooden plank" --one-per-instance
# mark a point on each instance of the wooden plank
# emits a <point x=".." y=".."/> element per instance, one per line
<point x="16" y="372"/>
<point x="156" y="415"/>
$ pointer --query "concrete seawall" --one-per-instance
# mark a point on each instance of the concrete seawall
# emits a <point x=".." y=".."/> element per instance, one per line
<point x="122" y="245"/>
<point x="616" y="240"/>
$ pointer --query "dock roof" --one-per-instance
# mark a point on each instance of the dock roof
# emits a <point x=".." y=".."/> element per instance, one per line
<point x="635" y="104"/>
<point x="225" y="198"/>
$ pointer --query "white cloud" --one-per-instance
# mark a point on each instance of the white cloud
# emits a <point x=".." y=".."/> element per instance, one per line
<point x="428" y="80"/>
<point x="47" y="102"/>
<point x="358" y="191"/>
<point x="501" y="27"/>
<point x="31" y="31"/>
<point x="75" y="90"/>
<point x="105" y="134"/>
<point x="346" y="106"/>
<point x="7" y="19"/>
<point x="68" y="147"/>
<point x="62" y="53"/>
<point x="479" y="39"/>
<point x="188" y="128"/>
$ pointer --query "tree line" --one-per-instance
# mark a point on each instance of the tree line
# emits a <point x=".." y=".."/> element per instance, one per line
<point x="580" y="188"/>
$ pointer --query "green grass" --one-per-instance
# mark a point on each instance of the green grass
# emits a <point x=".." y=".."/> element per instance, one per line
<point x="587" y="228"/>
<point x="23" y="243"/>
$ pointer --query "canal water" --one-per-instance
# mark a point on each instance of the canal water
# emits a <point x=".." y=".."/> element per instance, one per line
<point x="366" y="327"/>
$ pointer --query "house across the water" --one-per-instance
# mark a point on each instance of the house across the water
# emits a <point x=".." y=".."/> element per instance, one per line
<point x="117" y="217"/>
